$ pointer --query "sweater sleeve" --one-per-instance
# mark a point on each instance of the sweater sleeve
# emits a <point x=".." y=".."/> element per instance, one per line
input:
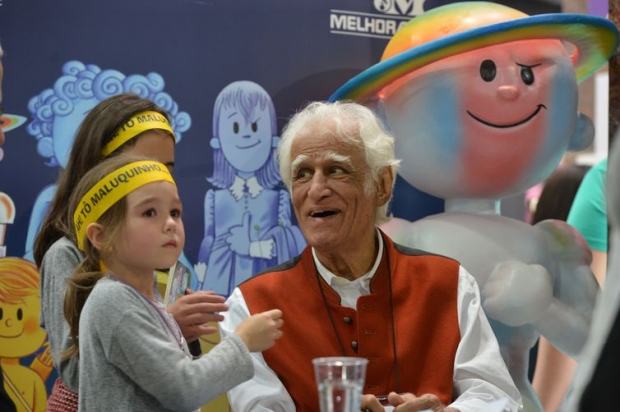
<point x="58" y="264"/>
<point x="136" y="340"/>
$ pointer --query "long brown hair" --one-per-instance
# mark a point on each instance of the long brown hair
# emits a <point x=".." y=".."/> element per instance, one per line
<point x="96" y="130"/>
<point x="558" y="193"/>
<point x="88" y="272"/>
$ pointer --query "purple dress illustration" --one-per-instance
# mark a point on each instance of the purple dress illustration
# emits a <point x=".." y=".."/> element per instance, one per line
<point x="248" y="224"/>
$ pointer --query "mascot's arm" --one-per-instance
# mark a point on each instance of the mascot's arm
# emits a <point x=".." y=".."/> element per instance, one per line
<point x="566" y="323"/>
<point x="516" y="293"/>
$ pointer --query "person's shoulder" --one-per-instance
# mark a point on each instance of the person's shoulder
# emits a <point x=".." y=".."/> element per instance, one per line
<point x="108" y="303"/>
<point x="281" y="268"/>
<point x="274" y="275"/>
<point x="62" y="250"/>
<point x="598" y="172"/>
<point x="413" y="252"/>
<point x="109" y="293"/>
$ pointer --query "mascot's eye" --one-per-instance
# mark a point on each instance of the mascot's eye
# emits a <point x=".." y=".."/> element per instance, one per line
<point x="527" y="75"/>
<point x="20" y="314"/>
<point x="254" y="127"/>
<point x="1" y="314"/>
<point x="236" y="127"/>
<point x="488" y="70"/>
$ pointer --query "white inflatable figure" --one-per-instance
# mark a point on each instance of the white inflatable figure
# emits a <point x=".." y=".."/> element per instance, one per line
<point x="482" y="101"/>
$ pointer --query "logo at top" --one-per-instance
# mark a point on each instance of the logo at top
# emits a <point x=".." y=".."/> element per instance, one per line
<point x="400" y="7"/>
<point x="390" y="16"/>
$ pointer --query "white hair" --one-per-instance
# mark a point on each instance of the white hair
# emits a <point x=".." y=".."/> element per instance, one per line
<point x="348" y="122"/>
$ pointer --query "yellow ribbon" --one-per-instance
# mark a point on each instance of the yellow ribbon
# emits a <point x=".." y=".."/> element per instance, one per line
<point x="113" y="188"/>
<point x="139" y="123"/>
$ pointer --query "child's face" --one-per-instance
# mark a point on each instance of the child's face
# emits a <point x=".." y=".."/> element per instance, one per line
<point x="152" y="235"/>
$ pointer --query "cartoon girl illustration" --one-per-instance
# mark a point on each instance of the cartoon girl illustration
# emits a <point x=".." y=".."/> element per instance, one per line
<point x="57" y="113"/>
<point x="21" y="335"/>
<point x="248" y="217"/>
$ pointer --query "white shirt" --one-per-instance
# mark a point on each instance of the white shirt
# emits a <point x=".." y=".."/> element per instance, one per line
<point x="480" y="374"/>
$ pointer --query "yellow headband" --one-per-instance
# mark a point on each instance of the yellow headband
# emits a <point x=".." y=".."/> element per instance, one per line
<point x="139" y="123"/>
<point x="113" y="188"/>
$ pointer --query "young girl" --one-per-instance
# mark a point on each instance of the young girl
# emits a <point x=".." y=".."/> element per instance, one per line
<point x="109" y="129"/>
<point x="132" y="355"/>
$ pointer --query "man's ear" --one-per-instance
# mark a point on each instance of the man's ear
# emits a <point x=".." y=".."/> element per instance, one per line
<point x="96" y="235"/>
<point x="385" y="186"/>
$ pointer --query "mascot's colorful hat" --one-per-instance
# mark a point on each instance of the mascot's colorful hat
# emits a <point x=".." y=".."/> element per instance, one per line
<point x="461" y="27"/>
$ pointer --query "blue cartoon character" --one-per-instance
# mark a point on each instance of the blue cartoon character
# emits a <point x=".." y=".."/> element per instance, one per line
<point x="248" y="217"/>
<point x="482" y="101"/>
<point x="58" y="112"/>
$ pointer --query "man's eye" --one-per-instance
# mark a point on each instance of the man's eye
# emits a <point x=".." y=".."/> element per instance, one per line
<point x="302" y="174"/>
<point x="334" y="170"/>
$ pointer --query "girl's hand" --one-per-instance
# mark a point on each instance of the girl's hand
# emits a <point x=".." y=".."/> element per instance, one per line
<point x="259" y="332"/>
<point x="194" y="310"/>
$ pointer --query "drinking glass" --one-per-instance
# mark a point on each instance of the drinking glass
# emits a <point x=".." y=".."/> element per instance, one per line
<point x="340" y="381"/>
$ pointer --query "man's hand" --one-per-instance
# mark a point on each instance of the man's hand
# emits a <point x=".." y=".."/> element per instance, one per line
<point x="406" y="402"/>
<point x="370" y="403"/>
<point x="194" y="309"/>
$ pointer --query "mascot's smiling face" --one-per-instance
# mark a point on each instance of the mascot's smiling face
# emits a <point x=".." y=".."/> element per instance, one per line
<point x="486" y="123"/>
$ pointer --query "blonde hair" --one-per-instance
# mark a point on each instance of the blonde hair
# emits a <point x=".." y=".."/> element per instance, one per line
<point x="19" y="279"/>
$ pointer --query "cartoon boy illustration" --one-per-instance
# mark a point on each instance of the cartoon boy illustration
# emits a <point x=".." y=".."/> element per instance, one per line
<point x="58" y="112"/>
<point x="21" y="335"/>
<point x="248" y="217"/>
<point x="482" y="100"/>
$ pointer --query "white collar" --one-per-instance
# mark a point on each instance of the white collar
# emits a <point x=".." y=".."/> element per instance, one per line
<point x="363" y="281"/>
<point x="239" y="185"/>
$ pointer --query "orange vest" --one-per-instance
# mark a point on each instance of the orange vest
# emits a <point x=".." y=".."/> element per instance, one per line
<point x="424" y="289"/>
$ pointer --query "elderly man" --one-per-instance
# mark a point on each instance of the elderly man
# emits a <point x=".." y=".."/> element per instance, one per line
<point x="353" y="292"/>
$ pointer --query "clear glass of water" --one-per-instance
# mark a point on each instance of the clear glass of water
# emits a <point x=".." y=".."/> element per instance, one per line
<point x="340" y="381"/>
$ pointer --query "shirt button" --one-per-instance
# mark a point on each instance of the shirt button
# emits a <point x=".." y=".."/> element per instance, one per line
<point x="354" y="345"/>
<point x="346" y="319"/>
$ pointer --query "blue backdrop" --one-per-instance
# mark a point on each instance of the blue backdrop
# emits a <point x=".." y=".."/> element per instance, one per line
<point x="190" y="50"/>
